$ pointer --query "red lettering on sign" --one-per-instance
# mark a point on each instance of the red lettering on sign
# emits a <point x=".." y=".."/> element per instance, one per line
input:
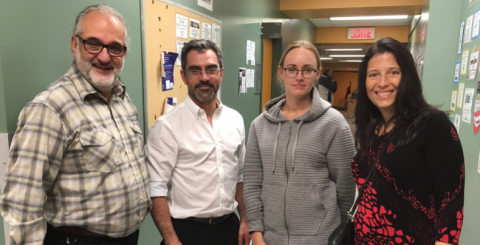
<point x="361" y="33"/>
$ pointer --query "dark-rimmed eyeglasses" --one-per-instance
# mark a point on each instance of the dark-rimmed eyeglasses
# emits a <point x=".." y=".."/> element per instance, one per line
<point x="96" y="47"/>
<point x="212" y="72"/>
<point x="292" y="72"/>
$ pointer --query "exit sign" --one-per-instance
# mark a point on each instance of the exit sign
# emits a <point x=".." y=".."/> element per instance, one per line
<point x="361" y="33"/>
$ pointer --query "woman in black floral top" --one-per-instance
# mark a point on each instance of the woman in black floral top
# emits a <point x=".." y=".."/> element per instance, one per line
<point x="415" y="194"/>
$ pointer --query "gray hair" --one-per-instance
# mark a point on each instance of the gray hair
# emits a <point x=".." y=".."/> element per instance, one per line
<point x="102" y="9"/>
<point x="201" y="45"/>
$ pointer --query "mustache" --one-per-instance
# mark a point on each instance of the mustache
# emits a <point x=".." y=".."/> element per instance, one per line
<point x="209" y="84"/>
<point x="101" y="64"/>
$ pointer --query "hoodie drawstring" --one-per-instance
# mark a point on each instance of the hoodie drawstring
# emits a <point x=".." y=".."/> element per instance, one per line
<point x="295" y="146"/>
<point x="275" y="146"/>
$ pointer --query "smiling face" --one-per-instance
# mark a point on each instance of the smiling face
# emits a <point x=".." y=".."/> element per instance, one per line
<point x="101" y="70"/>
<point x="299" y="59"/>
<point x="383" y="79"/>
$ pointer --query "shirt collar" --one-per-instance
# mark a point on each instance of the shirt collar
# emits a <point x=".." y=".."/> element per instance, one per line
<point x="84" y="87"/>
<point x="196" y="110"/>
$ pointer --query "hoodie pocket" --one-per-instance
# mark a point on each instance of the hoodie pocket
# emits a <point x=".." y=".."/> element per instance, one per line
<point x="305" y="212"/>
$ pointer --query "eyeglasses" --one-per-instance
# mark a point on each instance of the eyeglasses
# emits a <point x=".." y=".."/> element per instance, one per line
<point x="212" y="72"/>
<point x="95" y="47"/>
<point x="292" y="72"/>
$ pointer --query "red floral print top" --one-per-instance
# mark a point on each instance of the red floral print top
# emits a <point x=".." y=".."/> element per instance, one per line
<point x="415" y="194"/>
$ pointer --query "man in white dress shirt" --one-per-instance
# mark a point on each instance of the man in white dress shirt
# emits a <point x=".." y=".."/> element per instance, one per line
<point x="195" y="159"/>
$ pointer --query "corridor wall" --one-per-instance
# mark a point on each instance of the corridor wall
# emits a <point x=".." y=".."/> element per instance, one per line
<point x="438" y="76"/>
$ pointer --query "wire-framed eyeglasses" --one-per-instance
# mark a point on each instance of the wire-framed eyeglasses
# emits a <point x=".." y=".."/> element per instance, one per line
<point x="95" y="47"/>
<point x="306" y="73"/>
<point x="212" y="72"/>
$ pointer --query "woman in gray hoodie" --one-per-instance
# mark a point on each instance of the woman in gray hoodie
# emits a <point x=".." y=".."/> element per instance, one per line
<point x="297" y="177"/>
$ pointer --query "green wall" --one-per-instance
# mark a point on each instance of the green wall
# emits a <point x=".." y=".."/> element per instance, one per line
<point x="441" y="55"/>
<point x="3" y="120"/>
<point x="35" y="40"/>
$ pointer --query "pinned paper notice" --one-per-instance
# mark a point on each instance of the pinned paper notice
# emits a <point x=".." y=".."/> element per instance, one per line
<point x="467" y="105"/>
<point x="460" y="39"/>
<point x="461" y="87"/>
<point x="251" y="52"/>
<point x="463" y="70"/>
<point x="454" y="100"/>
<point x="194" y="28"/>
<point x="250" y="78"/>
<point x="206" y="31"/>
<point x="468" y="29"/>
<point x="216" y="34"/>
<point x="182" y="26"/>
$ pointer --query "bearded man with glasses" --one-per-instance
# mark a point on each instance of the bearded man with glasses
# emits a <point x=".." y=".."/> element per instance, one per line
<point x="77" y="171"/>
<point x="195" y="159"/>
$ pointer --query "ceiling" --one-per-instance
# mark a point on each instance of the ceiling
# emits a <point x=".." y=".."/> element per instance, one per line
<point x="326" y="22"/>
<point x="319" y="12"/>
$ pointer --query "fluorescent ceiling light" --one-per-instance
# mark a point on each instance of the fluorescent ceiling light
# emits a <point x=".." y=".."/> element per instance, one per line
<point x="350" y="61"/>
<point x="346" y="55"/>
<point x="343" y="49"/>
<point x="325" y="58"/>
<point x="386" y="17"/>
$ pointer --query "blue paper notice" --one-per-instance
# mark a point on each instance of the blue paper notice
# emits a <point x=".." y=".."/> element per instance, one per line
<point x="168" y="59"/>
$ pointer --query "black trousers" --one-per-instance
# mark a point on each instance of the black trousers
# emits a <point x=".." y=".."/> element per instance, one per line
<point x="191" y="232"/>
<point x="55" y="237"/>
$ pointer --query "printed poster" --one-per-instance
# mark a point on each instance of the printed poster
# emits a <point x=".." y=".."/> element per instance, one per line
<point x="461" y="87"/>
<point x="206" y="31"/>
<point x="250" y="78"/>
<point x="460" y="40"/>
<point x="467" y="104"/>
<point x="457" y="72"/>
<point x="251" y="52"/>
<point x="208" y="4"/>
<point x="457" y="123"/>
<point x="463" y="69"/>
<point x="468" y="30"/>
<point x="179" y="51"/>
<point x="453" y="102"/>
<point x="194" y="28"/>
<point x="168" y="59"/>
<point x="473" y="63"/>
<point x="242" y="77"/>
<point x="476" y="19"/>
<point x="181" y="26"/>
<point x="476" y="113"/>
<point x="216" y="34"/>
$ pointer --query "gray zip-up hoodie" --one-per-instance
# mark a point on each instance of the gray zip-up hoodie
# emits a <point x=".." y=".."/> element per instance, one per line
<point x="297" y="174"/>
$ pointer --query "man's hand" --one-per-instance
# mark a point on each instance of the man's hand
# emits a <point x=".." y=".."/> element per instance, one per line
<point x="257" y="238"/>
<point x="243" y="233"/>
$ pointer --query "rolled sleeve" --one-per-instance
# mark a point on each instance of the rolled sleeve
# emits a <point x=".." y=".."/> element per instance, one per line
<point x="161" y="152"/>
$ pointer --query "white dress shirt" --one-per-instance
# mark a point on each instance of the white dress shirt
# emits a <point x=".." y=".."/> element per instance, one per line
<point x="194" y="164"/>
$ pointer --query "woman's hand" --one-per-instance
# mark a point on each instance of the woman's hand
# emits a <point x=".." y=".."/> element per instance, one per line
<point x="257" y="238"/>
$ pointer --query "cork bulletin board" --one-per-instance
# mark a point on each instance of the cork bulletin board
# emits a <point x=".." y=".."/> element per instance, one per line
<point x="159" y="36"/>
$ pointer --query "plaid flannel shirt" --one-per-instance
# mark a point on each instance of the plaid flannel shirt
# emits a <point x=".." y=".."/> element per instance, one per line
<point x="76" y="160"/>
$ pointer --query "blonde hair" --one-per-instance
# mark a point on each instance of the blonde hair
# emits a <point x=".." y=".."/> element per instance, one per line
<point x="297" y="44"/>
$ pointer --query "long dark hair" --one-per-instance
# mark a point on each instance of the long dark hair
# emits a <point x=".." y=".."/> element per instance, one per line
<point x="409" y="107"/>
